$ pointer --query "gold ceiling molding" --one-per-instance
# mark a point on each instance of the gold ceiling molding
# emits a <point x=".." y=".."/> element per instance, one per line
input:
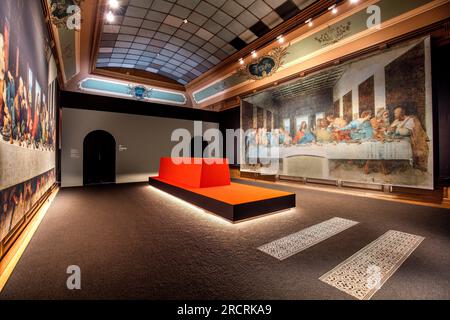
<point x="65" y="13"/>
<point x="266" y="65"/>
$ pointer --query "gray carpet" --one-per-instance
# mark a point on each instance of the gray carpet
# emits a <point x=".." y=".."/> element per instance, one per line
<point x="132" y="242"/>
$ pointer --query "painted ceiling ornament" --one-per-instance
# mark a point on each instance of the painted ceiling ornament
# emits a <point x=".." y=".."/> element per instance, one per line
<point x="266" y="65"/>
<point x="65" y="13"/>
<point x="139" y="92"/>
<point x="334" y="34"/>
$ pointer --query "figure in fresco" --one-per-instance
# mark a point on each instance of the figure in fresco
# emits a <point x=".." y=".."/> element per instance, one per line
<point x="7" y="91"/>
<point x="410" y="126"/>
<point x="304" y="135"/>
<point x="2" y="80"/>
<point x="35" y="133"/>
<point x="308" y="136"/>
<point x="335" y="125"/>
<point x="380" y="124"/>
<point x="323" y="135"/>
<point x="19" y="101"/>
<point x="284" y="138"/>
<point x="300" y="133"/>
<point x="360" y="129"/>
<point x="24" y="117"/>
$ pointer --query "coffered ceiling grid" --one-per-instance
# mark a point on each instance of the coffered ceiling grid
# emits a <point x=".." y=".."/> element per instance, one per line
<point x="151" y="34"/>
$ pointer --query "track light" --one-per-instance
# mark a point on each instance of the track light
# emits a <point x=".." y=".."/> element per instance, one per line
<point x="333" y="9"/>
<point x="280" y="39"/>
<point x="254" y="54"/>
<point x="241" y="61"/>
<point x="110" y="17"/>
<point x="309" y="22"/>
<point x="113" y="4"/>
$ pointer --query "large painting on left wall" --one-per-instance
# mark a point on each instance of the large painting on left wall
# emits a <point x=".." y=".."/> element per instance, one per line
<point x="27" y="111"/>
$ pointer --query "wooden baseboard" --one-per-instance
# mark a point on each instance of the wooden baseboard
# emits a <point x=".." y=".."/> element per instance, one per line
<point x="17" y="243"/>
<point x="430" y="198"/>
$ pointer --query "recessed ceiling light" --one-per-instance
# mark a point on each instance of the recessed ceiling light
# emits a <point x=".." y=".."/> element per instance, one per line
<point x="280" y="39"/>
<point x="110" y="17"/>
<point x="113" y="4"/>
<point x="333" y="9"/>
<point x="185" y="21"/>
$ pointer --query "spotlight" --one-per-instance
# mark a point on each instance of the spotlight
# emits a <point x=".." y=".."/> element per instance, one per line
<point x="309" y="22"/>
<point x="110" y="17"/>
<point x="280" y="39"/>
<point x="354" y="1"/>
<point x="185" y="21"/>
<point x="333" y="9"/>
<point x="241" y="61"/>
<point x="113" y="4"/>
<point x="254" y="54"/>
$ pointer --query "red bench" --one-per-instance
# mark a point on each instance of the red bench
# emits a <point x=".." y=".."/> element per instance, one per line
<point x="206" y="183"/>
<point x="195" y="172"/>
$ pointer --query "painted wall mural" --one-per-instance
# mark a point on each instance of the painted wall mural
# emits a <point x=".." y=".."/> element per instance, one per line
<point x="17" y="201"/>
<point x="366" y="121"/>
<point x="27" y="110"/>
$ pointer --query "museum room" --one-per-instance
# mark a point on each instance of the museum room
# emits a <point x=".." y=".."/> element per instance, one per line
<point x="224" y="150"/>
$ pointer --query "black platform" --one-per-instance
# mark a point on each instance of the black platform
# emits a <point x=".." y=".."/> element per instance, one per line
<point x="228" y="211"/>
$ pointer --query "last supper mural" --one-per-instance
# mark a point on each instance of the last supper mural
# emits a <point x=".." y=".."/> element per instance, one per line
<point x="368" y="121"/>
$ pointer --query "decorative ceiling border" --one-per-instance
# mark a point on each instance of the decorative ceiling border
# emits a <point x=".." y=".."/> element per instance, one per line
<point x="131" y="90"/>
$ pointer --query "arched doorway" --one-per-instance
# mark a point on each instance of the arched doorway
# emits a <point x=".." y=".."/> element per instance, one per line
<point x="99" y="158"/>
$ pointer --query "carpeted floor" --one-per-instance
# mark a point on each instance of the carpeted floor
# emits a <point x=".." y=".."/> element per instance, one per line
<point x="132" y="241"/>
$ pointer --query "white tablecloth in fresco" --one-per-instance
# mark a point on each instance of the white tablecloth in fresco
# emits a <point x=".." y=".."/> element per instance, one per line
<point x="369" y="150"/>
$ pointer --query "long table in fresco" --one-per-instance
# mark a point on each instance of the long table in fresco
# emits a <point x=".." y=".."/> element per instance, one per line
<point x="372" y="152"/>
<point x="369" y="150"/>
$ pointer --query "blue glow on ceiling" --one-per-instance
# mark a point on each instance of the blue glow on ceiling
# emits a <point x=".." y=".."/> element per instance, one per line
<point x="126" y="90"/>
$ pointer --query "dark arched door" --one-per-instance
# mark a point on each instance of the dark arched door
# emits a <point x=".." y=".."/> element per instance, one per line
<point x="99" y="158"/>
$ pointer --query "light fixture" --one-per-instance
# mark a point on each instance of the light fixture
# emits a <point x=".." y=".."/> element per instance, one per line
<point x="241" y="61"/>
<point x="110" y="17"/>
<point x="309" y="22"/>
<point x="354" y="1"/>
<point x="113" y="4"/>
<point x="280" y="39"/>
<point x="333" y="9"/>
<point x="185" y="21"/>
<point x="254" y="54"/>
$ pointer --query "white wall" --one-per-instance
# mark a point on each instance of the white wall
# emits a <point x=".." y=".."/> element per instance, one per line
<point x="146" y="139"/>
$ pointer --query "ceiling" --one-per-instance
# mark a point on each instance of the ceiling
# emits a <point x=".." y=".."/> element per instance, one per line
<point x="318" y="81"/>
<point x="151" y="35"/>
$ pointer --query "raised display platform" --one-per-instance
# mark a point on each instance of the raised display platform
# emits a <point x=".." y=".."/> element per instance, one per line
<point x="232" y="201"/>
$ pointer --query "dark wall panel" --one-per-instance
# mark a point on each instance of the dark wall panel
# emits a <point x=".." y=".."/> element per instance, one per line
<point x="441" y="97"/>
<point x="405" y="83"/>
<point x="77" y="100"/>
<point x="367" y="96"/>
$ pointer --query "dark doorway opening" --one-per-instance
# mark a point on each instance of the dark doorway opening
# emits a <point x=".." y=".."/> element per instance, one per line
<point x="99" y="158"/>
